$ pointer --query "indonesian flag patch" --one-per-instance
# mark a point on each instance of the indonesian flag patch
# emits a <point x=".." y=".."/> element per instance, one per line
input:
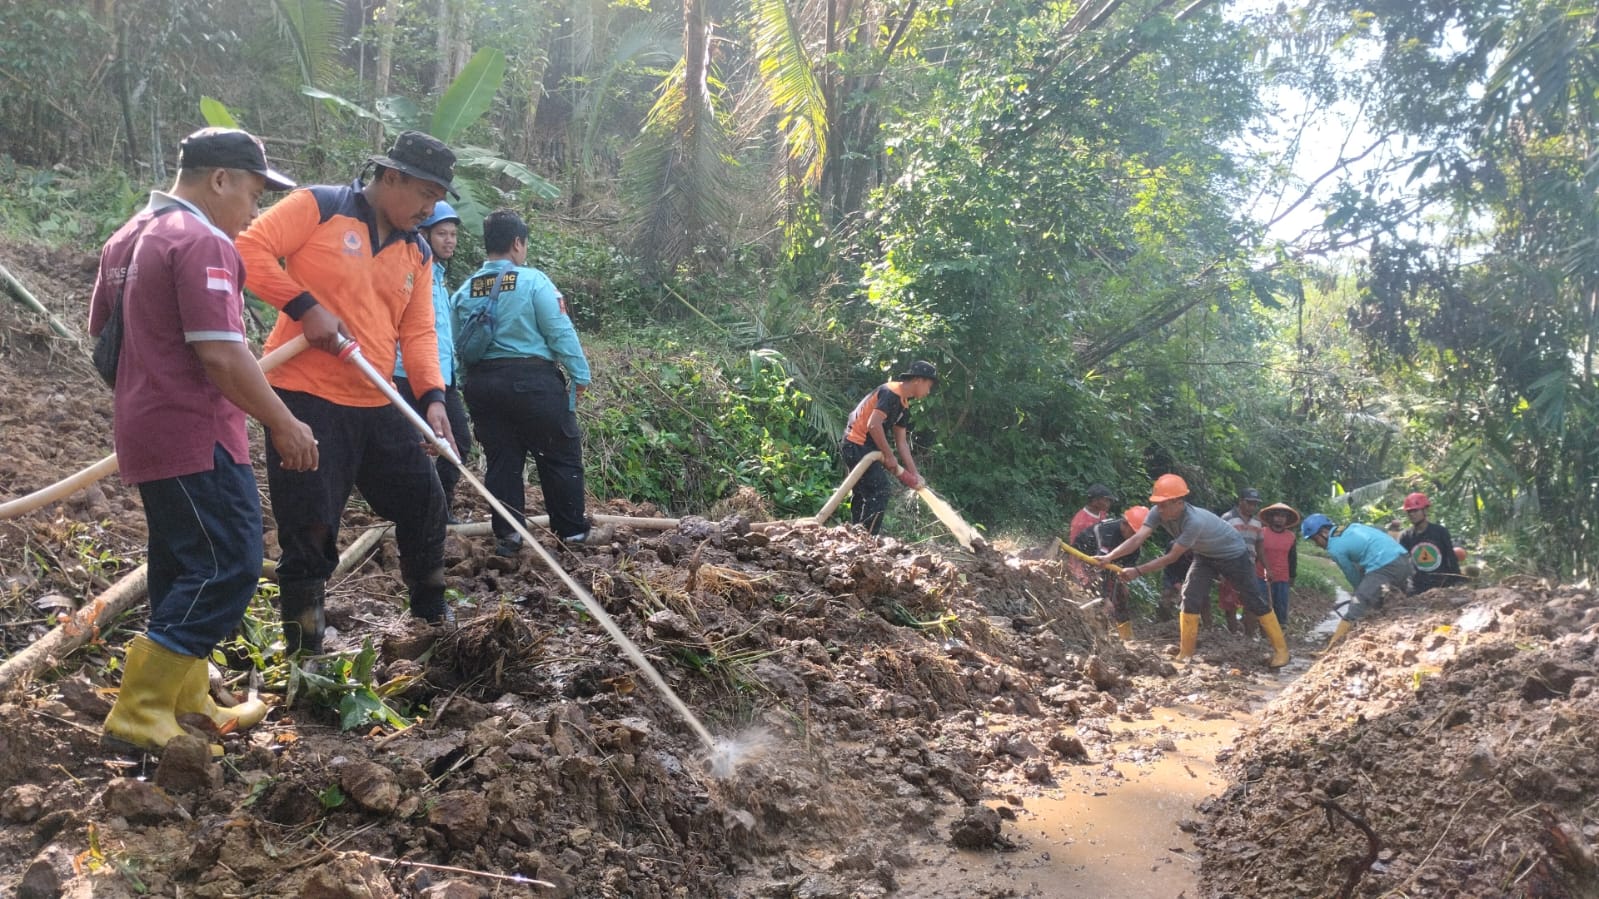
<point x="561" y="298"/>
<point x="218" y="279"/>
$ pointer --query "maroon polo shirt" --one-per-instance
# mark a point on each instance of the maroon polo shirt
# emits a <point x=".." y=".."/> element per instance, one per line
<point x="183" y="279"/>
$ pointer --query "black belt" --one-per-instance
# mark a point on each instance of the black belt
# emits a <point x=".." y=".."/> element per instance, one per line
<point x="519" y="362"/>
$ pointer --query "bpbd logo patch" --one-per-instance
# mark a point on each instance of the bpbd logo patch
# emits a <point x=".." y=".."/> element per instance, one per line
<point x="483" y="285"/>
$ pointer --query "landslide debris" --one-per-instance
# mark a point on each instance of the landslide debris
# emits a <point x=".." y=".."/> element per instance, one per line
<point x="1458" y="728"/>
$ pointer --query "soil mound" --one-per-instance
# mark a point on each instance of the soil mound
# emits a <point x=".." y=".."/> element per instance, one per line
<point x="1445" y="749"/>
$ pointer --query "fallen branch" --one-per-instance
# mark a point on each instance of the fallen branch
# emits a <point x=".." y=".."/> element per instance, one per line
<point x="77" y="629"/>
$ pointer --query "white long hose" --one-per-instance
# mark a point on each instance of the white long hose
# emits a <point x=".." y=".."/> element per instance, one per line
<point x="351" y="352"/>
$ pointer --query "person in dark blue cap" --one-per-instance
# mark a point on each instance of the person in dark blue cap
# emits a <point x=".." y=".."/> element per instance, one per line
<point x="184" y="381"/>
<point x="886" y="407"/>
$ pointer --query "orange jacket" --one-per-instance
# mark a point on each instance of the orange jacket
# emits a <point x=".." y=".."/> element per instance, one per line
<point x="325" y="236"/>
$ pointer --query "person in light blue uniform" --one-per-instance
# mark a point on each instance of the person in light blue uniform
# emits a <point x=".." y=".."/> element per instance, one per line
<point x="523" y="392"/>
<point x="441" y="230"/>
<point x="1369" y="559"/>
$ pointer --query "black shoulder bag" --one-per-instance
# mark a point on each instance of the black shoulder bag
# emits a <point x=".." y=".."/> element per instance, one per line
<point x="107" y="354"/>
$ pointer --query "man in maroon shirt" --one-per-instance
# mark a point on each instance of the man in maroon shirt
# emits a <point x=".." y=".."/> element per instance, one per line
<point x="184" y="383"/>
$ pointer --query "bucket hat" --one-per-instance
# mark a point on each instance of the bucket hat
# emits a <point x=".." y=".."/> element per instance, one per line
<point x="422" y="156"/>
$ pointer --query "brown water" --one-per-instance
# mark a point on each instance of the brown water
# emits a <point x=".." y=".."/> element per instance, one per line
<point x="1110" y="831"/>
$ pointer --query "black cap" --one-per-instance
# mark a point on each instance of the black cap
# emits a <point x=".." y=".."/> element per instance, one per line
<point x="1249" y="493"/>
<point x="1100" y="491"/>
<point x="229" y="148"/>
<point x="920" y="369"/>
<point x="422" y="156"/>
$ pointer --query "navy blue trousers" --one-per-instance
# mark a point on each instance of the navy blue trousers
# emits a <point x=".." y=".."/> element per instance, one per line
<point x="205" y="554"/>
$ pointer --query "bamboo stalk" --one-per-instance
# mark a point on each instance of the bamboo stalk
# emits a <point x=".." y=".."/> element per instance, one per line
<point x="29" y="300"/>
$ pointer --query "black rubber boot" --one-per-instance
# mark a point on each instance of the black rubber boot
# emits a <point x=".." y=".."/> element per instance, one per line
<point x="300" y="604"/>
<point x="427" y="597"/>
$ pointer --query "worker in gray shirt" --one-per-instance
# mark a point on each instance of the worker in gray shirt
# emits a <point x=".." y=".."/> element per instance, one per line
<point x="1219" y="553"/>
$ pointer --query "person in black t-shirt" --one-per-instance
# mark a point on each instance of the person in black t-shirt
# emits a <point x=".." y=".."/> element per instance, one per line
<point x="1430" y="547"/>
<point x="1104" y="537"/>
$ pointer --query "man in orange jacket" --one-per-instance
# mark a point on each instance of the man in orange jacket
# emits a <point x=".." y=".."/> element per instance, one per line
<point x="353" y="264"/>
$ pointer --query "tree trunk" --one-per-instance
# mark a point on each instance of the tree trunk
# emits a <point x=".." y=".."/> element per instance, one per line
<point x="385" y="69"/>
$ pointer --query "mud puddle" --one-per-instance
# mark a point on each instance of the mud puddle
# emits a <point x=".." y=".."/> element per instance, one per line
<point x="1113" y="827"/>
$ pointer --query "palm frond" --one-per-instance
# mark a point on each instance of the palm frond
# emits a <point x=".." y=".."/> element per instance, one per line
<point x="790" y="77"/>
<point x="678" y="175"/>
<point x="650" y="42"/>
<point x="1363" y="495"/>
<point x="311" y="28"/>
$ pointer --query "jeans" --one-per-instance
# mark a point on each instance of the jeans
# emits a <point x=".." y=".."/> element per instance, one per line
<point x="205" y="553"/>
<point x="1279" y="601"/>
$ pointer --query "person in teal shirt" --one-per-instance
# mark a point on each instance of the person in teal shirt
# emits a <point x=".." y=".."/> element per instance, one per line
<point x="523" y="391"/>
<point x="441" y="230"/>
<point x="1369" y="559"/>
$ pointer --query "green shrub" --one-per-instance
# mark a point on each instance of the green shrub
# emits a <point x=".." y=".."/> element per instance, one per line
<point x="692" y="429"/>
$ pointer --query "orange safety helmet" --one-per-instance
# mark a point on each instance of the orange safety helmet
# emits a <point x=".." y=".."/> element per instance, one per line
<point x="1416" y="501"/>
<point x="1168" y="486"/>
<point x="1135" y="516"/>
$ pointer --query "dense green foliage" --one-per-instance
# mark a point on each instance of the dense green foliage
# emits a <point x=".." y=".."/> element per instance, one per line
<point x="761" y="209"/>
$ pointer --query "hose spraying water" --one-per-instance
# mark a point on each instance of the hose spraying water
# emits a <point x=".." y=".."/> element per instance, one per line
<point x="724" y="755"/>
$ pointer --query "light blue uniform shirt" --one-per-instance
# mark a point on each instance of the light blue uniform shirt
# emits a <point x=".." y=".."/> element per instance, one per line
<point x="1361" y="548"/>
<point x="530" y="319"/>
<point x="442" y="324"/>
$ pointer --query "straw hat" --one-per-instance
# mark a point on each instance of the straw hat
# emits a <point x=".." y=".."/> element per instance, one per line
<point x="1293" y="514"/>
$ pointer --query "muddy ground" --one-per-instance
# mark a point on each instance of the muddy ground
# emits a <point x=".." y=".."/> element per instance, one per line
<point x="898" y="709"/>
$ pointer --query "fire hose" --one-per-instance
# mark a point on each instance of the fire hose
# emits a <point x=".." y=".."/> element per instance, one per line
<point x="67" y="486"/>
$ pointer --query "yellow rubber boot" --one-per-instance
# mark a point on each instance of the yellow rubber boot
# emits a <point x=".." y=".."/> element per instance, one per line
<point x="1188" y="636"/>
<point x="1274" y="633"/>
<point x="195" y="699"/>
<point x="145" y="713"/>
<point x="1124" y="630"/>
<point x="1343" y="629"/>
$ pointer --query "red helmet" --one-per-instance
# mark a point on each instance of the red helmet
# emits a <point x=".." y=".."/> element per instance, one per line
<point x="1416" y="501"/>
